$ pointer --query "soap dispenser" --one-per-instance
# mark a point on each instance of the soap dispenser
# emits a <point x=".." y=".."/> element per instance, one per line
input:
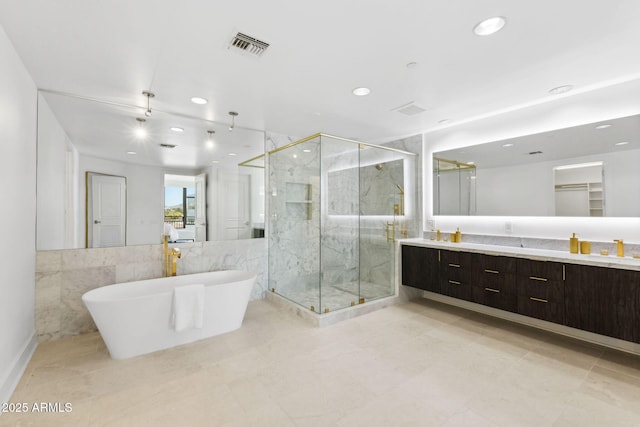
<point x="573" y="244"/>
<point x="458" y="235"/>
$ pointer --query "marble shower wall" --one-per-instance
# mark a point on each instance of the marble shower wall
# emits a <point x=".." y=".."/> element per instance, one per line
<point x="62" y="276"/>
<point x="294" y="218"/>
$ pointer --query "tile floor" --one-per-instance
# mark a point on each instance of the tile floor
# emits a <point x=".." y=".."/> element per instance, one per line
<point x="414" y="364"/>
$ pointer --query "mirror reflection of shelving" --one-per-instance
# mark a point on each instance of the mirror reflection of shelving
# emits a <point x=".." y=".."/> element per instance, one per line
<point x="596" y="199"/>
<point x="579" y="190"/>
<point x="299" y="200"/>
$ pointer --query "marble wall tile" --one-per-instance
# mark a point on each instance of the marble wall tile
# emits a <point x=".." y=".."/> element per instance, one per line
<point x="75" y="319"/>
<point x="83" y="258"/>
<point x="63" y="276"/>
<point x="48" y="296"/>
<point x="48" y="261"/>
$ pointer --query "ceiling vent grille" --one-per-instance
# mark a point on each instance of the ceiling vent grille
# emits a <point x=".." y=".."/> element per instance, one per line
<point x="168" y="145"/>
<point x="410" y="109"/>
<point x="249" y="44"/>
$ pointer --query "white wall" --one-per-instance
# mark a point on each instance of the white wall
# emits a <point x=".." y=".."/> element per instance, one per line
<point x="145" y="197"/>
<point x="572" y="109"/>
<point x="53" y="145"/>
<point x="18" y="115"/>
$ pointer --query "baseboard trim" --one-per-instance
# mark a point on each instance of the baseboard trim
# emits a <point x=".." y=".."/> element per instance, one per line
<point x="567" y="331"/>
<point x="12" y="378"/>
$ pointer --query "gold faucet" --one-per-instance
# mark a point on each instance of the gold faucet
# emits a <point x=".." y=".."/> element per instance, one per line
<point x="620" y="245"/>
<point x="170" y="258"/>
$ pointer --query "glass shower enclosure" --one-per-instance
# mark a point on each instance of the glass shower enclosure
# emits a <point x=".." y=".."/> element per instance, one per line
<point x="336" y="207"/>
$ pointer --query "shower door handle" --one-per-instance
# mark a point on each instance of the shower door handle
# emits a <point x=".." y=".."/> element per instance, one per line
<point x="391" y="231"/>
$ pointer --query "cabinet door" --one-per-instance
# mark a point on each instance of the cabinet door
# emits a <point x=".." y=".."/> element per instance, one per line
<point x="541" y="290"/>
<point x="603" y="300"/>
<point x="420" y="268"/>
<point x="455" y="274"/>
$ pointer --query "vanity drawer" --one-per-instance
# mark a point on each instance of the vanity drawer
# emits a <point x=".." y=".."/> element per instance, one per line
<point x="541" y="308"/>
<point x="494" y="272"/>
<point x="493" y="297"/>
<point x="456" y="265"/>
<point x="495" y="264"/>
<point x="540" y="270"/>
<point x="551" y="290"/>
<point x="455" y="288"/>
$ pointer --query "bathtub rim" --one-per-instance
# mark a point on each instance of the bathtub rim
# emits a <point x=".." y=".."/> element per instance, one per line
<point x="108" y="293"/>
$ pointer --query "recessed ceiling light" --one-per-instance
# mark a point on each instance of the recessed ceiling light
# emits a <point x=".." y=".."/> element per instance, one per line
<point x="306" y="150"/>
<point x="361" y="91"/>
<point x="133" y="153"/>
<point x="198" y="100"/>
<point x="215" y="161"/>
<point x="508" y="145"/>
<point x="470" y="163"/>
<point x="604" y="126"/>
<point x="295" y="156"/>
<point x="560" y="89"/>
<point x="490" y="26"/>
<point x="233" y="154"/>
<point x="177" y="129"/>
<point x="622" y="143"/>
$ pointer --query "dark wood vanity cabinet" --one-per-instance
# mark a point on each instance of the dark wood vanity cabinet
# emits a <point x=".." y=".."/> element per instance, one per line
<point x="493" y="282"/>
<point x="420" y="268"/>
<point x="456" y="274"/>
<point x="603" y="300"/>
<point x="541" y="290"/>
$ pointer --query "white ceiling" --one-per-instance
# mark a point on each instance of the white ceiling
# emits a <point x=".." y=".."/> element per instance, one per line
<point x="113" y="50"/>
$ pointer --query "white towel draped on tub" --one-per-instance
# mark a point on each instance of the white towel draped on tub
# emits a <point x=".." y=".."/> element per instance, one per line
<point x="188" y="307"/>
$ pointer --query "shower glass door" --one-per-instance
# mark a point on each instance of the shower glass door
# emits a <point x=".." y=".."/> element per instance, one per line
<point x="339" y="227"/>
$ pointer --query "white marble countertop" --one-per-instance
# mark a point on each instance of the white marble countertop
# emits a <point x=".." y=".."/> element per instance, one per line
<point x="611" y="261"/>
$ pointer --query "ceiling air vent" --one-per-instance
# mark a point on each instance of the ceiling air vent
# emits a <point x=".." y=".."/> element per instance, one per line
<point x="249" y="44"/>
<point x="168" y="145"/>
<point x="410" y="109"/>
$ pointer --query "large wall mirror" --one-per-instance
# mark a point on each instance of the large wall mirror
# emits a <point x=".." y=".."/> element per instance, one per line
<point x="588" y="170"/>
<point x="107" y="178"/>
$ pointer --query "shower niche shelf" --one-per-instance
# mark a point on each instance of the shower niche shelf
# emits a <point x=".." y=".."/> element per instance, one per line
<point x="298" y="200"/>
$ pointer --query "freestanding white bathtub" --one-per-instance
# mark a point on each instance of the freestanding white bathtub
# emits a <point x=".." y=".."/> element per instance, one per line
<point x="135" y="318"/>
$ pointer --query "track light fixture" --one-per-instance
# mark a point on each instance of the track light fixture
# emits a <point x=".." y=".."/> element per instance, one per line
<point x="233" y="115"/>
<point x="149" y="95"/>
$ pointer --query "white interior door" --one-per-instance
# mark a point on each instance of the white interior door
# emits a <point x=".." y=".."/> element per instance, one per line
<point x="234" y="206"/>
<point x="201" y="208"/>
<point x="106" y="219"/>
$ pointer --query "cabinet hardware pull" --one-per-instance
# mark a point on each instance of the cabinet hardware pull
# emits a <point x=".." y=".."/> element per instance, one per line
<point x="453" y="282"/>
<point x="542" y="279"/>
<point x="492" y="290"/>
<point x="539" y="299"/>
<point x="492" y="271"/>
<point x="454" y="265"/>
